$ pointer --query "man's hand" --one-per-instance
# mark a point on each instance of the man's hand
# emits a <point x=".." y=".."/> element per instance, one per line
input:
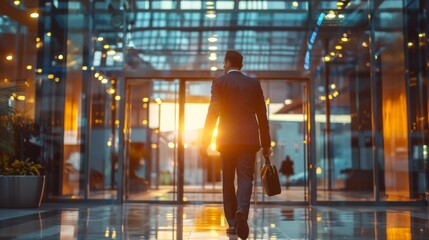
<point x="203" y="151"/>
<point x="266" y="152"/>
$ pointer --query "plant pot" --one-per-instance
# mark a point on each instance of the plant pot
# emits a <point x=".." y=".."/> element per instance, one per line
<point x="21" y="191"/>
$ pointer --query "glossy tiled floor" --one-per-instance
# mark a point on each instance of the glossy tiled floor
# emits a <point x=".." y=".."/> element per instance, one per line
<point x="150" y="221"/>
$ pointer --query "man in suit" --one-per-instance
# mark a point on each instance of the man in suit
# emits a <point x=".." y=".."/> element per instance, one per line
<point x="238" y="102"/>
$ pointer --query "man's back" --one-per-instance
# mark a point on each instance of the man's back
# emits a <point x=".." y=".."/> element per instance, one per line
<point x="239" y="100"/>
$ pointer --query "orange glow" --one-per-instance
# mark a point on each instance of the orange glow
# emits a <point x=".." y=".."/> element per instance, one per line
<point x="401" y="223"/>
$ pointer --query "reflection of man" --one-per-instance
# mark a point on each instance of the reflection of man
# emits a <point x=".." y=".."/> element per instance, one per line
<point x="238" y="102"/>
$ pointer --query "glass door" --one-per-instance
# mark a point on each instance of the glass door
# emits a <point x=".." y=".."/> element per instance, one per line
<point x="287" y="106"/>
<point x="288" y="113"/>
<point x="202" y="175"/>
<point x="164" y="120"/>
<point x="151" y="123"/>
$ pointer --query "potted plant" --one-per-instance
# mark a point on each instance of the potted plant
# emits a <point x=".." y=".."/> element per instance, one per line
<point x="21" y="182"/>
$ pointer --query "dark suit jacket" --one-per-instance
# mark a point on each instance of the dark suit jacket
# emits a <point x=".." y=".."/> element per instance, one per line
<point x="238" y="102"/>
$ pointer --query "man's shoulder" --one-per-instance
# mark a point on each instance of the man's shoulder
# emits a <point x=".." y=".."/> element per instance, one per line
<point x="220" y="78"/>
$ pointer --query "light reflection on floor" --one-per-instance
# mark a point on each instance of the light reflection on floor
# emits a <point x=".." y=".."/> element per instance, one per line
<point x="157" y="221"/>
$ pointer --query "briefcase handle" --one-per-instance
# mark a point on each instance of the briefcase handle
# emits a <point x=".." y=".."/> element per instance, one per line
<point x="267" y="160"/>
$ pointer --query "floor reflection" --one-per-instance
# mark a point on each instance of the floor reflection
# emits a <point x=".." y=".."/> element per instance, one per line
<point x="150" y="221"/>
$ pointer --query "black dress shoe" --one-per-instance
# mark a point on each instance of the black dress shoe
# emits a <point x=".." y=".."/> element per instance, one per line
<point x="231" y="231"/>
<point x="241" y="225"/>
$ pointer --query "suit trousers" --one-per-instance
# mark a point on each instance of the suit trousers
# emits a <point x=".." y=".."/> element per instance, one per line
<point x="242" y="162"/>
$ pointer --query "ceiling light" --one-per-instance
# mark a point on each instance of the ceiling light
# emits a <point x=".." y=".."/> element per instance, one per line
<point x="61" y="57"/>
<point x="288" y="101"/>
<point x="364" y="44"/>
<point x="331" y="15"/>
<point x="333" y="86"/>
<point x="344" y="39"/>
<point x="327" y="58"/>
<point x="48" y="34"/>
<point x="16" y="2"/>
<point x="295" y="4"/>
<point x="209" y="3"/>
<point x="111" y="52"/>
<point x="100" y="39"/>
<point x="211" y="14"/>
<point x="84" y="68"/>
<point x="212" y="39"/>
<point x="34" y="15"/>
<point x="111" y="91"/>
<point x="213" y="48"/>
<point x="213" y="68"/>
<point x="338" y="47"/>
<point x="21" y="97"/>
<point x="332" y="54"/>
<point x="9" y="57"/>
<point x="340" y="15"/>
<point x="29" y="67"/>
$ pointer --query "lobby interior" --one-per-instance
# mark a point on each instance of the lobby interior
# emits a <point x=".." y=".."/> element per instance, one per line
<point x="118" y="90"/>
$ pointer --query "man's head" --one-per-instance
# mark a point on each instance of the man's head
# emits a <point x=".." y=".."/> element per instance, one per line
<point x="233" y="60"/>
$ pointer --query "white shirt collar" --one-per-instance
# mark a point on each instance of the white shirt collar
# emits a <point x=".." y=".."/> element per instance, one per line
<point x="233" y="70"/>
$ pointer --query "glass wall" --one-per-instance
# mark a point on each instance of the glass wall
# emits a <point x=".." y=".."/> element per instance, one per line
<point x="370" y="93"/>
<point x="367" y="62"/>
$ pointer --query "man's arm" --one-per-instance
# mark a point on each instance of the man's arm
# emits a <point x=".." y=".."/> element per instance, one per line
<point x="264" y="129"/>
<point x="211" y="118"/>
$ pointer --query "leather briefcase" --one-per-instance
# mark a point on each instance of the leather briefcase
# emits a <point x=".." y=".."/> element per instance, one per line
<point x="270" y="179"/>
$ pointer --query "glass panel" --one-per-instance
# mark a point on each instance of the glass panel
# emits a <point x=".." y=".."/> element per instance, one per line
<point x="103" y="158"/>
<point x="202" y="175"/>
<point x="341" y="60"/>
<point x="288" y="129"/>
<point x="390" y="58"/>
<point x="151" y="140"/>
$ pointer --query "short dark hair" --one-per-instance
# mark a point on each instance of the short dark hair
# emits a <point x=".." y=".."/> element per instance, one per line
<point x="235" y="58"/>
